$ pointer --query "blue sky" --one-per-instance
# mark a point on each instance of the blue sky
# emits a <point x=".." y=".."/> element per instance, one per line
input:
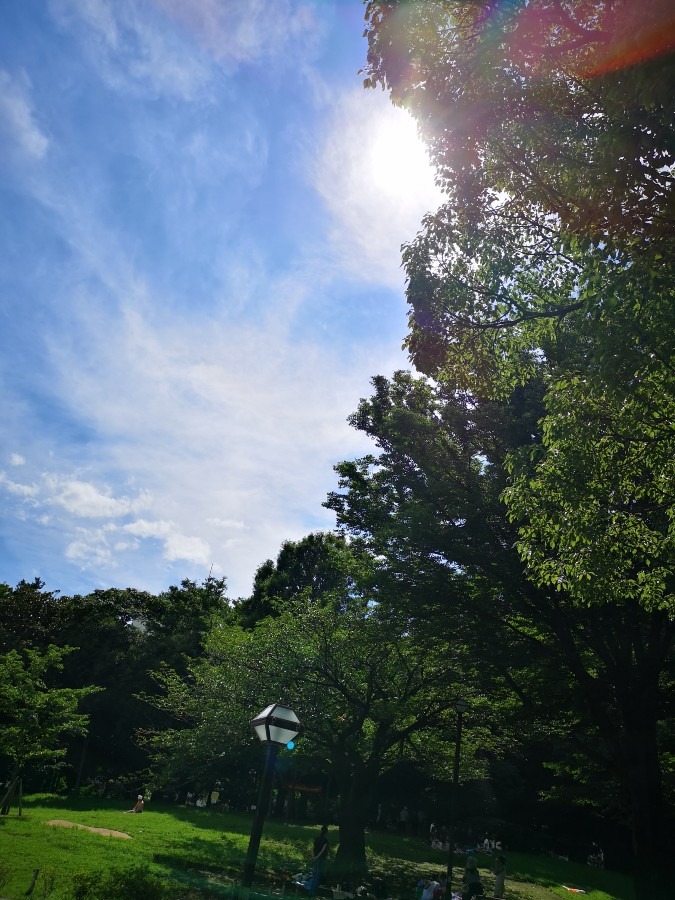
<point x="201" y="216"/>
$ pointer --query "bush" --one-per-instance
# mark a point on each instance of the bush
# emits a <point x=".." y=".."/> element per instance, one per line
<point x="130" y="883"/>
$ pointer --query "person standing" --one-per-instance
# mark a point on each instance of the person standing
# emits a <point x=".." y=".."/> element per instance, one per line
<point x="500" y="876"/>
<point x="471" y="883"/>
<point x="319" y="858"/>
<point x="403" y="818"/>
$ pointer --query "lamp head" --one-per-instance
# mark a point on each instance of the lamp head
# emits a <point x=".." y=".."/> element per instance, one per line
<point x="276" y="724"/>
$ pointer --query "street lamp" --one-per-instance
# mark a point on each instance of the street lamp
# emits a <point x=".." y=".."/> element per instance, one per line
<point x="276" y="726"/>
<point x="460" y="707"/>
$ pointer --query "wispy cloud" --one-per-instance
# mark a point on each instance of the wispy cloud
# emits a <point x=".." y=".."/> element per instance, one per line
<point x="229" y="432"/>
<point x="148" y="47"/>
<point x="196" y="357"/>
<point x="18" y="124"/>
<point x="245" y="31"/>
<point x="15" y="487"/>
<point x="131" y="49"/>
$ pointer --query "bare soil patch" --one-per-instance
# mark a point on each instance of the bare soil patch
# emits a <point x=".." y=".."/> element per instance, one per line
<point x="106" y="831"/>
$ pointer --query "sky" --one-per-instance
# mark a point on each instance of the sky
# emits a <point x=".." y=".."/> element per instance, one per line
<point x="201" y="215"/>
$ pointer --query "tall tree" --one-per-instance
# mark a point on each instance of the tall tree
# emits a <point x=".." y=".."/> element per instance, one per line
<point x="596" y="676"/>
<point x="551" y="125"/>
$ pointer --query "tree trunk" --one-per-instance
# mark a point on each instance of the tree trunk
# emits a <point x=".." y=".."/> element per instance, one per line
<point x="350" y="860"/>
<point x="652" y="842"/>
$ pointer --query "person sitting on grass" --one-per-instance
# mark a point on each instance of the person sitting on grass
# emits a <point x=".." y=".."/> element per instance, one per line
<point x="138" y="805"/>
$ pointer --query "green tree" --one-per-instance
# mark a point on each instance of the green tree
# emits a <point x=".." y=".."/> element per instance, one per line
<point x="116" y="636"/>
<point x="315" y="565"/>
<point x="594" y="678"/>
<point x="368" y="688"/>
<point x="566" y="106"/>
<point x="551" y="125"/>
<point x="36" y="718"/>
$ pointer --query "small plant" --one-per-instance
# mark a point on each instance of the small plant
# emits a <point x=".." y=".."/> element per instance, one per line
<point x="45" y="885"/>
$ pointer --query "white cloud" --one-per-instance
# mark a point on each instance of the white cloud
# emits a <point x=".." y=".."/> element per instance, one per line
<point x="18" y="126"/>
<point x="177" y="546"/>
<point x="144" y="528"/>
<point x="190" y="549"/>
<point x="224" y="435"/>
<point x="85" y="500"/>
<point x="373" y="173"/>
<point x="21" y="490"/>
<point x="90" y="549"/>
<point x="15" y="459"/>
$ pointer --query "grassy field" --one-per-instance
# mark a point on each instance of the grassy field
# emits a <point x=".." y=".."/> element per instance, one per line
<point x="189" y="853"/>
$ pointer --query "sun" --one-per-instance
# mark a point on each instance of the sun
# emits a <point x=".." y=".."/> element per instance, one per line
<point x="397" y="158"/>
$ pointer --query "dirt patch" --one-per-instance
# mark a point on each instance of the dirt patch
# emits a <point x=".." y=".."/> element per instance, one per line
<point x="106" y="831"/>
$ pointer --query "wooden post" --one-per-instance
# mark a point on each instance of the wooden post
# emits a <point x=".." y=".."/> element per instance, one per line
<point x="7" y="799"/>
<point x="30" y="890"/>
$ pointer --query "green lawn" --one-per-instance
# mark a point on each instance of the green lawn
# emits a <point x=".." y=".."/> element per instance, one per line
<point x="194" y="853"/>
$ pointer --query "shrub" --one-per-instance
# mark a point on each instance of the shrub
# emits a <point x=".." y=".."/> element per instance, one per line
<point x="129" y="883"/>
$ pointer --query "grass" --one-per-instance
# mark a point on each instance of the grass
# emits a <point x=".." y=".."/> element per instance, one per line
<point x="199" y="853"/>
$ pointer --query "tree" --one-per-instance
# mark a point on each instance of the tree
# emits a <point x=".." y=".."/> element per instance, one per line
<point x="36" y="717"/>
<point x="115" y="637"/>
<point x="595" y="678"/>
<point x="316" y="565"/>
<point x="369" y="688"/>
<point x="567" y="106"/>
<point x="551" y="125"/>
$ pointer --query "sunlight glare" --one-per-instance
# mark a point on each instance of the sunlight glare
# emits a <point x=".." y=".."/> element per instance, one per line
<point x="398" y="160"/>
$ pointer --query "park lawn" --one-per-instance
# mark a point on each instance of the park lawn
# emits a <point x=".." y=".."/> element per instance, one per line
<point x="201" y="854"/>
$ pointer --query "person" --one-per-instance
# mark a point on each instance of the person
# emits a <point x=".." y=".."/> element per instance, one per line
<point x="319" y="857"/>
<point x="471" y="883"/>
<point x="138" y="805"/>
<point x="596" y="857"/>
<point x="430" y="885"/>
<point x="500" y="875"/>
<point x="403" y="818"/>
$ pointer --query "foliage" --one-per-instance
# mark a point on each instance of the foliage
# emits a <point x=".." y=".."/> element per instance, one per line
<point x="115" y="637"/>
<point x="552" y="262"/>
<point x="562" y="677"/>
<point x="599" y="513"/>
<point x="368" y="688"/>
<point x="35" y="716"/>
<point x="566" y="106"/>
<point x="316" y="566"/>
<point x="122" y="883"/>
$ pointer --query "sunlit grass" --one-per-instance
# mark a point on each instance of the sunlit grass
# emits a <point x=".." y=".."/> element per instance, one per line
<point x="200" y="853"/>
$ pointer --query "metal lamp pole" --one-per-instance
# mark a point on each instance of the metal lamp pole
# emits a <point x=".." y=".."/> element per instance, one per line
<point x="276" y="726"/>
<point x="460" y="707"/>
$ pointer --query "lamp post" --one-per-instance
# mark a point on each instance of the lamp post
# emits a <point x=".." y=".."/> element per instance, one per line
<point x="276" y="726"/>
<point x="460" y="707"/>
